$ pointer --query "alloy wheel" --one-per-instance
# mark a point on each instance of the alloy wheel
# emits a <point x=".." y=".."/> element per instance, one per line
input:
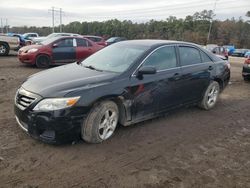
<point x="108" y="124"/>
<point x="212" y="96"/>
<point x="2" y="49"/>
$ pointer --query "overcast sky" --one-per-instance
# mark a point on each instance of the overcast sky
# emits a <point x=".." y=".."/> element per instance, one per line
<point x="36" y="13"/>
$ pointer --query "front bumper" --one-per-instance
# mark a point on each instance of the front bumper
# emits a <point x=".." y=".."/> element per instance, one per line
<point x="55" y="127"/>
<point x="27" y="58"/>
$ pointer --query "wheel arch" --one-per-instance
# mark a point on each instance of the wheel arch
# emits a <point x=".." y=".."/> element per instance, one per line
<point x="123" y="107"/>
<point x="6" y="43"/>
<point x="46" y="54"/>
<point x="220" y="82"/>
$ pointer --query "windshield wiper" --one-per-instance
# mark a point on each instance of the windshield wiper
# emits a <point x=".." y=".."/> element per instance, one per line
<point x="92" y="68"/>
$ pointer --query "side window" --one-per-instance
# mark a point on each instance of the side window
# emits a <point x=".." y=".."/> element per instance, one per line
<point x="97" y="39"/>
<point x="217" y="50"/>
<point x="205" y="57"/>
<point x="163" y="58"/>
<point x="81" y="42"/>
<point x="89" y="44"/>
<point x="189" y="55"/>
<point x="65" y="43"/>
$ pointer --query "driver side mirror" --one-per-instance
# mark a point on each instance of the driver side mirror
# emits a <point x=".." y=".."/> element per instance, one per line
<point x="146" y="70"/>
<point x="214" y="51"/>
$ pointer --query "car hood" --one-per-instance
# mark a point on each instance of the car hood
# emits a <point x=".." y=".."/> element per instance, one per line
<point x="57" y="82"/>
<point x="25" y="48"/>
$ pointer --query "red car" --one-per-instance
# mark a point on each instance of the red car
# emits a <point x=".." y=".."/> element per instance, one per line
<point x="57" y="50"/>
<point x="98" y="40"/>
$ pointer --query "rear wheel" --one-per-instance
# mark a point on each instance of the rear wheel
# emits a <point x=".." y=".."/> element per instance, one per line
<point x="42" y="61"/>
<point x="4" y="49"/>
<point x="211" y="96"/>
<point x="101" y="122"/>
<point x="246" y="79"/>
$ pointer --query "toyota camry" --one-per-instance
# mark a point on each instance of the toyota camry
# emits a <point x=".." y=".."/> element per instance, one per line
<point x="125" y="83"/>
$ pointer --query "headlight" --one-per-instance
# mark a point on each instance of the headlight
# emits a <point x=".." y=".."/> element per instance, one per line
<point x="32" y="50"/>
<point x="55" y="104"/>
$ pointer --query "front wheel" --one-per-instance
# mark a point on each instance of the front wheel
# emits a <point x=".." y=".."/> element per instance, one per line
<point x="211" y="96"/>
<point x="101" y="122"/>
<point x="42" y="61"/>
<point x="4" y="49"/>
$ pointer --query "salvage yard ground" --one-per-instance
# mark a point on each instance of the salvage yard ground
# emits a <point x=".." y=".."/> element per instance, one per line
<point x="186" y="148"/>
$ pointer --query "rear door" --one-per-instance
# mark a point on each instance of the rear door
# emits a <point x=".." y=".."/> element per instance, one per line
<point x="84" y="48"/>
<point x="196" y="68"/>
<point x="64" y="50"/>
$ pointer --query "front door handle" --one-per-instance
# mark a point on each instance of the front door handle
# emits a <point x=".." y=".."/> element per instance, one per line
<point x="210" y="68"/>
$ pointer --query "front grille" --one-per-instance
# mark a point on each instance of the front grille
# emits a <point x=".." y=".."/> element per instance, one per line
<point x="23" y="100"/>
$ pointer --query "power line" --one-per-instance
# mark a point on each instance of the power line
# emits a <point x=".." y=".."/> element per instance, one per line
<point x="160" y="14"/>
<point x="168" y="7"/>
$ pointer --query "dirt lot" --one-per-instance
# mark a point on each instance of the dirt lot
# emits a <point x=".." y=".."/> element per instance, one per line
<point x="187" y="148"/>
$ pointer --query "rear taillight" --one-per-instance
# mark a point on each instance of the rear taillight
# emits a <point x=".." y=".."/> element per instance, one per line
<point x="228" y="65"/>
<point x="247" y="61"/>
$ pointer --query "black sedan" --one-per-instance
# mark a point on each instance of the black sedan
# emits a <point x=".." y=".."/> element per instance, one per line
<point x="127" y="82"/>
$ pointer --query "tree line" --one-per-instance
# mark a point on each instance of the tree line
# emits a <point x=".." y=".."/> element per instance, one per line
<point x="194" y="28"/>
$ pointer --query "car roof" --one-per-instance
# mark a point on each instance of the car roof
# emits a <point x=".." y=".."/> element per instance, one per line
<point x="154" y="42"/>
<point x="66" y="33"/>
<point x="91" y="36"/>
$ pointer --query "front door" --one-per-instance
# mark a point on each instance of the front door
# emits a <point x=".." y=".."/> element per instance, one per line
<point x="155" y="93"/>
<point x="64" y="50"/>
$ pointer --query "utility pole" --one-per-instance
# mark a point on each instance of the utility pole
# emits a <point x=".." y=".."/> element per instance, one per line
<point x="211" y="22"/>
<point x="53" y="19"/>
<point x="7" y="26"/>
<point x="1" y="25"/>
<point x="60" y="19"/>
<point x="53" y="11"/>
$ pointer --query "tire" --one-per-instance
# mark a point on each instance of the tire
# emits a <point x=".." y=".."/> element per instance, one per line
<point x="100" y="123"/>
<point x="211" y="96"/>
<point x="4" y="49"/>
<point x="42" y="61"/>
<point x="246" y="79"/>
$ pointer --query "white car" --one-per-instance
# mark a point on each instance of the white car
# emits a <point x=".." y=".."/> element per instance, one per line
<point x="8" y="43"/>
<point x="40" y="39"/>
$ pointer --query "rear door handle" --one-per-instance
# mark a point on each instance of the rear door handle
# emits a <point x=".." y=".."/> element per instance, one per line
<point x="176" y="76"/>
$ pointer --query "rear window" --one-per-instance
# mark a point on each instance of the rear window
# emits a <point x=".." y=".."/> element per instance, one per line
<point x="81" y="42"/>
<point x="205" y="58"/>
<point x="189" y="56"/>
<point x="95" y="39"/>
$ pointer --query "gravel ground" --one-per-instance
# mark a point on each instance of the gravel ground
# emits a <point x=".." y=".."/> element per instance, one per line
<point x="186" y="148"/>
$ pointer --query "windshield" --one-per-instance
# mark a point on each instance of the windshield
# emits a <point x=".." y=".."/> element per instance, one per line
<point x="47" y="41"/>
<point x="51" y="35"/>
<point x="111" y="39"/>
<point x="115" y="58"/>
